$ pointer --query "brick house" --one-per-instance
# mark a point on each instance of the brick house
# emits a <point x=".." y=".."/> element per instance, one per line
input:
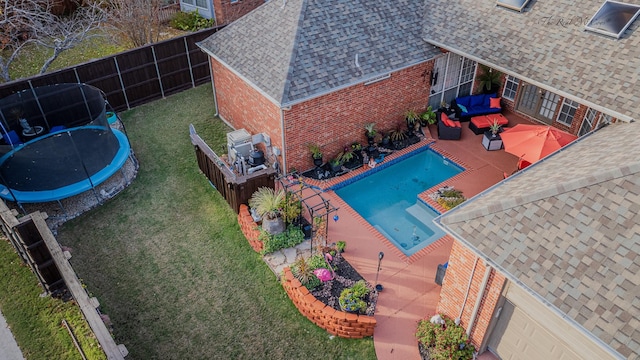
<point x="543" y="255"/>
<point x="223" y="11"/>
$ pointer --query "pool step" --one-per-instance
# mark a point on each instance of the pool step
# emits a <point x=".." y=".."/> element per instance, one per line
<point x="420" y="213"/>
<point x="381" y="231"/>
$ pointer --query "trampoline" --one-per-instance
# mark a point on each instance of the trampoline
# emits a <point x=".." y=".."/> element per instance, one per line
<point x="57" y="143"/>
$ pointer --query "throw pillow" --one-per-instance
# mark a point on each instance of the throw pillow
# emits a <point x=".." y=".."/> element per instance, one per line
<point x="445" y="120"/>
<point x="463" y="108"/>
<point x="457" y="123"/>
<point x="494" y="103"/>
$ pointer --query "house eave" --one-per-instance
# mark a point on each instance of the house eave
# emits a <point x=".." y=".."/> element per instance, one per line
<point x="564" y="94"/>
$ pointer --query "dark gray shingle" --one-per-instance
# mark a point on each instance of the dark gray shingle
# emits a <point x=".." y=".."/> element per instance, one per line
<point x="309" y="47"/>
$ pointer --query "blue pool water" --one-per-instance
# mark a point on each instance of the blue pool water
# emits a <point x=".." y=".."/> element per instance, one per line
<point x="388" y="198"/>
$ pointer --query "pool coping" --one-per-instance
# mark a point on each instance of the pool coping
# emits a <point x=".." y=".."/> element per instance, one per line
<point x="329" y="186"/>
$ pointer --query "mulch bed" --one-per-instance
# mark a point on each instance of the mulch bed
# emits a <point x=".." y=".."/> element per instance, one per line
<point x="346" y="276"/>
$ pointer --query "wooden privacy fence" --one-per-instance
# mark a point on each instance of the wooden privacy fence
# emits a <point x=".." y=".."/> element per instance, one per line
<point x="234" y="188"/>
<point x="38" y="247"/>
<point x="137" y="76"/>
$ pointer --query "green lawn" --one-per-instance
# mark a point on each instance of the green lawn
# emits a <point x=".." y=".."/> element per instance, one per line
<point x="35" y="321"/>
<point x="169" y="264"/>
<point x="32" y="58"/>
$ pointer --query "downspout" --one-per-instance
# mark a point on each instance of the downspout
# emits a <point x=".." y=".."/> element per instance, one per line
<point x="213" y="86"/>
<point x="466" y="295"/>
<point x="284" y="145"/>
<point x="474" y="314"/>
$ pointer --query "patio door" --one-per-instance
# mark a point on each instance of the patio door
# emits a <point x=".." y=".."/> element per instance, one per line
<point x="538" y="103"/>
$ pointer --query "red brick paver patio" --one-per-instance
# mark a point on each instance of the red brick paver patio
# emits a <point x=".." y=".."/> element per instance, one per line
<point x="410" y="292"/>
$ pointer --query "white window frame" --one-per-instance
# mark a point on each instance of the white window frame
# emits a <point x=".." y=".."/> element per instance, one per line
<point x="565" y="116"/>
<point x="510" y="88"/>
<point x="588" y="121"/>
<point x="206" y="4"/>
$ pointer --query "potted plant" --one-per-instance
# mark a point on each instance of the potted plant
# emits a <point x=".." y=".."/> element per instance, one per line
<point x="494" y="128"/>
<point x="397" y="137"/>
<point x="489" y="79"/>
<point x="411" y="116"/>
<point x="370" y="132"/>
<point x="316" y="154"/>
<point x="352" y="299"/>
<point x="428" y="117"/>
<point x="268" y="204"/>
<point x="336" y="163"/>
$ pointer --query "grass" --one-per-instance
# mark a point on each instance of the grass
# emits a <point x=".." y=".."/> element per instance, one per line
<point x="169" y="264"/>
<point x="32" y="57"/>
<point x="36" y="322"/>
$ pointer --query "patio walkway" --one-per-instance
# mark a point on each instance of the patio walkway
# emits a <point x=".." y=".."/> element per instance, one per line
<point x="410" y="292"/>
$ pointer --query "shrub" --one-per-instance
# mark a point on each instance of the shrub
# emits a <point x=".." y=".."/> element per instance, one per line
<point x="303" y="271"/>
<point x="352" y="299"/>
<point x="290" y="238"/>
<point x="190" y="21"/>
<point x="445" y="341"/>
<point x="317" y="261"/>
<point x="350" y="302"/>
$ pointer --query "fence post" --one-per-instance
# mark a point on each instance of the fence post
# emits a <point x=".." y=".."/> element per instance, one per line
<point x="124" y="90"/>
<point x="155" y="62"/>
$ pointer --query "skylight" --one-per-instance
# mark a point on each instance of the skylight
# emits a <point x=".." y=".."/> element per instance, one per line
<point x="613" y="18"/>
<point x="516" y="5"/>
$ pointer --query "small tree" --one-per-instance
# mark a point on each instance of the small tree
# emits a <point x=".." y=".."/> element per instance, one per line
<point x="25" y="22"/>
<point x="138" y="21"/>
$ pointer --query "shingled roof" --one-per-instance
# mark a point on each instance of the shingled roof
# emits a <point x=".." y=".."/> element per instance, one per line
<point x="294" y="50"/>
<point x="546" y="45"/>
<point x="568" y="229"/>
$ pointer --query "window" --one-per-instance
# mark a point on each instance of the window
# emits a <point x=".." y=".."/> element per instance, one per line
<point x="517" y="5"/>
<point x="510" y="87"/>
<point x="613" y="18"/>
<point x="587" y="122"/>
<point x="567" y="112"/>
<point x="452" y="76"/>
<point x="190" y="2"/>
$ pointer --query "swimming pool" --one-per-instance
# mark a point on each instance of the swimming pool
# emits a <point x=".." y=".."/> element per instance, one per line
<point x="387" y="197"/>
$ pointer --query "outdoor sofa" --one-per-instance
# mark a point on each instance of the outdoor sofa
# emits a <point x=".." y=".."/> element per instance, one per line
<point x="469" y="106"/>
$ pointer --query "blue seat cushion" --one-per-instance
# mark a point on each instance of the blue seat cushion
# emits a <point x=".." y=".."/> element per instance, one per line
<point x="12" y="138"/>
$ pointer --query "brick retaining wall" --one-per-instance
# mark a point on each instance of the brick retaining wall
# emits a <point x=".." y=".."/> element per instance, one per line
<point x="338" y="323"/>
<point x="249" y="228"/>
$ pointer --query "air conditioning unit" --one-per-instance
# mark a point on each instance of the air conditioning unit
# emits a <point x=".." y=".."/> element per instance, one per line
<point x="239" y="145"/>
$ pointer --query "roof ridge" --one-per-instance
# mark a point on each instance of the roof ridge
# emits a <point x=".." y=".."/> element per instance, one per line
<point x="552" y="190"/>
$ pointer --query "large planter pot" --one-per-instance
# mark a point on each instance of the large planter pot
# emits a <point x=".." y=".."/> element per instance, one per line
<point x="317" y="162"/>
<point x="273" y="226"/>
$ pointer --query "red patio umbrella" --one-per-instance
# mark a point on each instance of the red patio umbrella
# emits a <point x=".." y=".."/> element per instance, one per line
<point x="533" y="142"/>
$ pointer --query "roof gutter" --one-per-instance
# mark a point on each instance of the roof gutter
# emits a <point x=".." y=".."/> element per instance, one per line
<point x="599" y="108"/>
<point x="359" y="81"/>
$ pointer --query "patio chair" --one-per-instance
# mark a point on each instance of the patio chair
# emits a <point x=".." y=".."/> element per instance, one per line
<point x="448" y="129"/>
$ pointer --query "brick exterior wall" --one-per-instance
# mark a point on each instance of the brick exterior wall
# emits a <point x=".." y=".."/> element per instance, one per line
<point x="226" y="12"/>
<point x="332" y="121"/>
<point x="243" y="107"/>
<point x="454" y="286"/>
<point x="249" y="228"/>
<point x="338" y="323"/>
<point x="337" y="119"/>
